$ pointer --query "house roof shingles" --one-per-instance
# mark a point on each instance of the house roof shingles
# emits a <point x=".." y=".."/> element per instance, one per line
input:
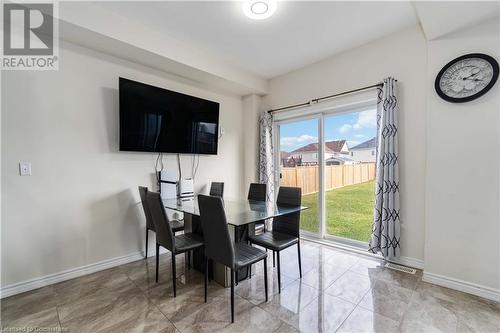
<point x="335" y="146"/>
<point x="330" y="146"/>
<point x="372" y="143"/>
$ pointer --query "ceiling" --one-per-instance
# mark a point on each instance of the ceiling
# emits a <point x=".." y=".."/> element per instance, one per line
<point x="298" y="34"/>
<point x="440" y="18"/>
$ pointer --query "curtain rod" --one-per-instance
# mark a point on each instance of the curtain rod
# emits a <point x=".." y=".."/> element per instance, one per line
<point x="313" y="101"/>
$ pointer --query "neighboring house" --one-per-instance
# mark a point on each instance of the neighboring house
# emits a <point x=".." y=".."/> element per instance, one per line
<point x="337" y="146"/>
<point x="287" y="160"/>
<point x="364" y="152"/>
<point x="284" y="155"/>
<point x="309" y="153"/>
<point x="340" y="159"/>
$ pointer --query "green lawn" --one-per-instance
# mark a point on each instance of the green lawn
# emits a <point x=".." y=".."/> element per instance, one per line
<point x="349" y="211"/>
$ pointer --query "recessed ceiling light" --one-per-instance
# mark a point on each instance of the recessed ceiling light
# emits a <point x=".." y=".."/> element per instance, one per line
<point x="259" y="9"/>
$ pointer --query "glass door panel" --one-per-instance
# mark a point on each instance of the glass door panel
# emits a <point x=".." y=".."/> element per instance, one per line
<point x="299" y="166"/>
<point x="349" y="172"/>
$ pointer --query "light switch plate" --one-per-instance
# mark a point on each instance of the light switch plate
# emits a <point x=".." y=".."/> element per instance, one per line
<point x="25" y="168"/>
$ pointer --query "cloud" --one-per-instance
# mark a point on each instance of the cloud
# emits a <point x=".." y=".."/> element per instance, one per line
<point x="366" y="119"/>
<point x="292" y="142"/>
<point x="345" y="128"/>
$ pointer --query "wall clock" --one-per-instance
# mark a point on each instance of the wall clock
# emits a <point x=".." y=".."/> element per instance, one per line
<point x="466" y="78"/>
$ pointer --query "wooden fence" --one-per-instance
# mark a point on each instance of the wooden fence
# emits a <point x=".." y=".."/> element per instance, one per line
<point x="307" y="177"/>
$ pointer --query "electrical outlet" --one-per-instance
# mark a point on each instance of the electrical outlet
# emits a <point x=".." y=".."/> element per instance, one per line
<point x="25" y="168"/>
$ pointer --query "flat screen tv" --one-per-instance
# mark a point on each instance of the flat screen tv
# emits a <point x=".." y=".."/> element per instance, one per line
<point x="158" y="120"/>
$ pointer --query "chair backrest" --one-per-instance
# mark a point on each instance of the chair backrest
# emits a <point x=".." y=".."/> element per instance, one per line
<point x="257" y="192"/>
<point x="164" y="235"/>
<point x="218" y="244"/>
<point x="288" y="224"/>
<point x="217" y="189"/>
<point x="143" y="192"/>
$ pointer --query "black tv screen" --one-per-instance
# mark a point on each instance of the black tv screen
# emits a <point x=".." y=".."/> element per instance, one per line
<point x="153" y="119"/>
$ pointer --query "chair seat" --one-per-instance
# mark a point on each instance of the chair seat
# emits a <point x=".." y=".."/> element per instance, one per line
<point x="176" y="225"/>
<point x="274" y="240"/>
<point x="245" y="255"/>
<point x="187" y="242"/>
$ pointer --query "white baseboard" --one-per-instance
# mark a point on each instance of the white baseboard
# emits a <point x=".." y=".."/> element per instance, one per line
<point x="466" y="287"/>
<point x="69" y="274"/>
<point x="410" y="262"/>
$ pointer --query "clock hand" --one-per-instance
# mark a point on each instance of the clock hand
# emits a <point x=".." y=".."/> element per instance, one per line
<point x="465" y="78"/>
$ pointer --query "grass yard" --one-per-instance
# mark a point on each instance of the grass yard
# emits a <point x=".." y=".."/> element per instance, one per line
<point x="349" y="211"/>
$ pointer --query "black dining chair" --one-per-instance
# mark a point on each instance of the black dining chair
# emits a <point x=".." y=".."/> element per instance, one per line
<point x="217" y="189"/>
<point x="257" y="192"/>
<point x="165" y="236"/>
<point x="175" y="224"/>
<point x="220" y="248"/>
<point x="285" y="232"/>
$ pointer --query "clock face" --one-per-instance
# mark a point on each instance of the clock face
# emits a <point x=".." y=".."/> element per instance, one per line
<point x="467" y="78"/>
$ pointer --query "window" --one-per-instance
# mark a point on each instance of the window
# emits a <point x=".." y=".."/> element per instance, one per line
<point x="340" y="191"/>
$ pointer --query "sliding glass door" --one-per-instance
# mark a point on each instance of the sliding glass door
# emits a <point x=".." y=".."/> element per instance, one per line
<point x="299" y="166"/>
<point x="331" y="157"/>
<point x="349" y="169"/>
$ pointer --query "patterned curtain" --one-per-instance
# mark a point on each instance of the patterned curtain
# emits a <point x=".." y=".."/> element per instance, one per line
<point x="266" y="154"/>
<point x="386" y="222"/>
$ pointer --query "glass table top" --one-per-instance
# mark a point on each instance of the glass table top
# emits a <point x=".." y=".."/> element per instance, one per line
<point x="237" y="212"/>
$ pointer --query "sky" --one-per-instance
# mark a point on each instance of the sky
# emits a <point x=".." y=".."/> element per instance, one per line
<point x="356" y="127"/>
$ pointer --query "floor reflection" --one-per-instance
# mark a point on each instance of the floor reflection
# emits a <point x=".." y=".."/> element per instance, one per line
<point x="339" y="292"/>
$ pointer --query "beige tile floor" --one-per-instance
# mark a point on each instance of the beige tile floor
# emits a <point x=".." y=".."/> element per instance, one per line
<point x="339" y="292"/>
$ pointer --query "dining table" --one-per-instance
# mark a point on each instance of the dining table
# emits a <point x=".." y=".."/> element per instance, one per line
<point x="241" y="216"/>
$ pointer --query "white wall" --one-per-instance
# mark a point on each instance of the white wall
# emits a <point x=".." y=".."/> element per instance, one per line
<point x="251" y="111"/>
<point x="403" y="56"/>
<point x="81" y="204"/>
<point x="462" y="193"/>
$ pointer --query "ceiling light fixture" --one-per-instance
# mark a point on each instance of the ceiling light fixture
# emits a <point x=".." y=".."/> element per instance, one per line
<point x="259" y="9"/>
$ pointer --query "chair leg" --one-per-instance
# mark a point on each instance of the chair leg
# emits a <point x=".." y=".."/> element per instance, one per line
<point x="157" y="260"/>
<point x="189" y="259"/>
<point x="237" y="278"/>
<point x="279" y="273"/>
<point x="206" y="278"/>
<point x="300" y="261"/>
<point x="232" y="295"/>
<point x="274" y="259"/>
<point x="146" y="252"/>
<point x="265" y="276"/>
<point x="173" y="274"/>
<point x="250" y="268"/>
<point x="210" y="262"/>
